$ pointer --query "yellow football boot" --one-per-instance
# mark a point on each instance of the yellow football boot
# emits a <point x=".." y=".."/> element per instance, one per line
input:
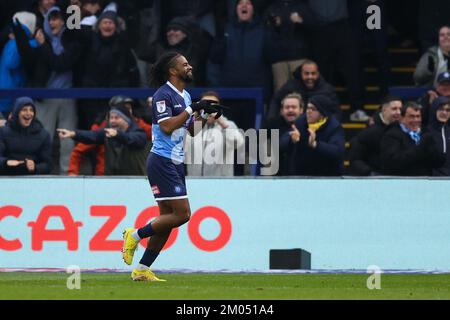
<point x="129" y="246"/>
<point x="144" y="275"/>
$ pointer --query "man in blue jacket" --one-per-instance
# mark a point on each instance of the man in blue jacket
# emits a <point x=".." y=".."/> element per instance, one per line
<point x="13" y="72"/>
<point x="25" y="147"/>
<point x="241" y="52"/>
<point x="316" y="141"/>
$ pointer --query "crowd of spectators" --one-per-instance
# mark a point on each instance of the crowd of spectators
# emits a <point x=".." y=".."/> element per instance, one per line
<point x="297" y="51"/>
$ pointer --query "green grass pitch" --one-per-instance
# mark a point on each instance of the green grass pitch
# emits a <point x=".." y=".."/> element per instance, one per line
<point x="118" y="286"/>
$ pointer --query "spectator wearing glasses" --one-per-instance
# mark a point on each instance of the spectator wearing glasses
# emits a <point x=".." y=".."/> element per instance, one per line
<point x="316" y="142"/>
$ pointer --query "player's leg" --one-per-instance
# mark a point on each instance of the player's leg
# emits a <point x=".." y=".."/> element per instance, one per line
<point x="157" y="241"/>
<point x="132" y="236"/>
<point x="179" y="214"/>
<point x="168" y="184"/>
<point x="142" y="272"/>
<point x="172" y="214"/>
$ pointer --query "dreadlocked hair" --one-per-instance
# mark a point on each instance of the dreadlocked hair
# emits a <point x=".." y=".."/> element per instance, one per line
<point x="160" y="70"/>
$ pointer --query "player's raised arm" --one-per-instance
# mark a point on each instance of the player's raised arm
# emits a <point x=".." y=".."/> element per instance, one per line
<point x="171" y="124"/>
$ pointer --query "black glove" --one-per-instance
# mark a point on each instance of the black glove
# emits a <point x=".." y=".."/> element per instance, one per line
<point x="209" y="107"/>
<point x="214" y="109"/>
<point x="202" y="104"/>
<point x="431" y="64"/>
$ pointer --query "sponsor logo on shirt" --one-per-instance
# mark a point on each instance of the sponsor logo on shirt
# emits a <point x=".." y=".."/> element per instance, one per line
<point x="178" y="106"/>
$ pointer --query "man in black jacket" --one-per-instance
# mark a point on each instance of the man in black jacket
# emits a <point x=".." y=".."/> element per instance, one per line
<point x="108" y="62"/>
<point x="365" y="147"/>
<point x="316" y="143"/>
<point x="24" y="143"/>
<point x="308" y="83"/>
<point x="126" y="145"/>
<point x="406" y="150"/>
<point x="438" y="126"/>
<point x="240" y="52"/>
<point x="187" y="38"/>
<point x="202" y="11"/>
<point x="292" y="107"/>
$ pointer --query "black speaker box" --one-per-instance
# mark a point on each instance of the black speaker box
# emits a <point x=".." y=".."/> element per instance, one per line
<point x="290" y="259"/>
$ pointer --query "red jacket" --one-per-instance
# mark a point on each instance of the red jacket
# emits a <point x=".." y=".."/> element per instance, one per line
<point x="81" y="149"/>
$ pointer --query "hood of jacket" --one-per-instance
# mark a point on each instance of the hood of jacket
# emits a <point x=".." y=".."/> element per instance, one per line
<point x="14" y="123"/>
<point x="433" y="122"/>
<point x="55" y="40"/>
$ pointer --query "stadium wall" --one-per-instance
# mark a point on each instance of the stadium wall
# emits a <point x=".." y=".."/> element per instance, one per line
<point x="54" y="222"/>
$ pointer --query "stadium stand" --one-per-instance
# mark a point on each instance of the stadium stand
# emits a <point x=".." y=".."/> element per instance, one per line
<point x="402" y="60"/>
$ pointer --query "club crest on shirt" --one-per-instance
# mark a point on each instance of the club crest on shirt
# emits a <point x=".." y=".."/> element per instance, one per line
<point x="161" y="106"/>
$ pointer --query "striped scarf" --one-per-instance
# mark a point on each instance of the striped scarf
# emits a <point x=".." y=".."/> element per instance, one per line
<point x="415" y="135"/>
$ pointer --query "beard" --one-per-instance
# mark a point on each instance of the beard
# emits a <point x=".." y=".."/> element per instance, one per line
<point x="188" y="77"/>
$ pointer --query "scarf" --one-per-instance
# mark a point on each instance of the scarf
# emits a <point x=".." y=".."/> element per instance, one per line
<point x="415" y="135"/>
<point x="316" y="126"/>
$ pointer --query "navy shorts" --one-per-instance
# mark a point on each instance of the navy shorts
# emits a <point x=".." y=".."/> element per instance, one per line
<point x="166" y="178"/>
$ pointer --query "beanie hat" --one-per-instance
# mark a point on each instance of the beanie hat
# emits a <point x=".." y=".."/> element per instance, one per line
<point x="180" y="23"/>
<point x="22" y="102"/>
<point x="323" y="104"/>
<point x="19" y="104"/>
<point x="111" y="15"/>
<point x="122" y="111"/>
<point x="119" y="99"/>
<point x="28" y="19"/>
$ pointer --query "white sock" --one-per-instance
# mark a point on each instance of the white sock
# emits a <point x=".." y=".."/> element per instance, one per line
<point x="136" y="236"/>
<point x="142" y="267"/>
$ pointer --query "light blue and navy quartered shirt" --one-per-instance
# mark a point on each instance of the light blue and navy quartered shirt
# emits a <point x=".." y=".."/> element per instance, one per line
<point x="169" y="102"/>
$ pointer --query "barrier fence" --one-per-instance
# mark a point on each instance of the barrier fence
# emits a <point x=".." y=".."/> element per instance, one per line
<point x="400" y="224"/>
